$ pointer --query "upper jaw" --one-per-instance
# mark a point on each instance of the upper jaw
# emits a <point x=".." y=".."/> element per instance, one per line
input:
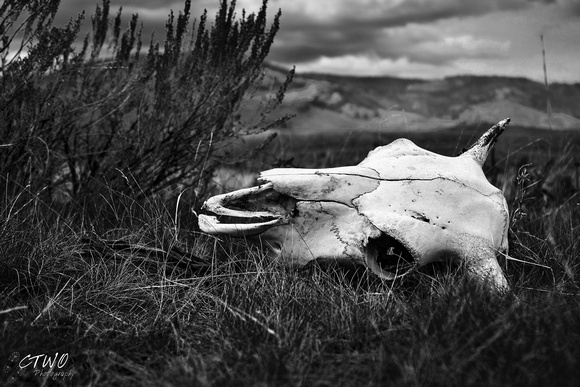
<point x="239" y="213"/>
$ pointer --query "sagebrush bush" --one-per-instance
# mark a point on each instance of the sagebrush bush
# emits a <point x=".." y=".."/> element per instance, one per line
<point x="74" y="119"/>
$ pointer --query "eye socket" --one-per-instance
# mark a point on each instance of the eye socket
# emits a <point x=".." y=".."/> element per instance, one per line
<point x="388" y="258"/>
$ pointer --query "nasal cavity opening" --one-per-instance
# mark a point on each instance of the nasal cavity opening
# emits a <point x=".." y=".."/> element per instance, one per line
<point x="389" y="257"/>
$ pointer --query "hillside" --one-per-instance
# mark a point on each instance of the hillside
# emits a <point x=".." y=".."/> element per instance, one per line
<point x="324" y="102"/>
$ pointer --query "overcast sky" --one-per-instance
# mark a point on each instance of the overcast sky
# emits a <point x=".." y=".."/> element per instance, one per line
<point x="406" y="38"/>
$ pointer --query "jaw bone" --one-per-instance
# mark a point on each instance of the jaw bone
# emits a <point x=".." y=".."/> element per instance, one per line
<point x="400" y="208"/>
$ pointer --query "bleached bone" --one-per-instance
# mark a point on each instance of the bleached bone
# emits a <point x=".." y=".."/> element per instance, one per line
<point x="216" y="205"/>
<point x="400" y="208"/>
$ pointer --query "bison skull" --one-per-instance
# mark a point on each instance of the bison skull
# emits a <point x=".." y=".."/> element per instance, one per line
<point x="400" y="208"/>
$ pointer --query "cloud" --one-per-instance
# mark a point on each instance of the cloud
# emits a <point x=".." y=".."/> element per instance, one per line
<point x="571" y="7"/>
<point x="428" y="44"/>
<point x="438" y="37"/>
<point x="469" y="43"/>
<point x="448" y="49"/>
<point x="394" y="37"/>
<point x="374" y="66"/>
<point x="388" y="13"/>
<point x="390" y="29"/>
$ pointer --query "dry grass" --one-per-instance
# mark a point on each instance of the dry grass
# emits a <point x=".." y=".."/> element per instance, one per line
<point x="135" y="297"/>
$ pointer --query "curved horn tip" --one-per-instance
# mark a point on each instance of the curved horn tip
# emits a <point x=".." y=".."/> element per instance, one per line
<point x="482" y="147"/>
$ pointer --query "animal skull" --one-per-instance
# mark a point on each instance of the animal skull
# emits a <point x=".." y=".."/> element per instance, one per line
<point x="400" y="208"/>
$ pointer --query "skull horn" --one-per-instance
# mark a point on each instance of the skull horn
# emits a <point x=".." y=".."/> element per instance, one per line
<point x="480" y="149"/>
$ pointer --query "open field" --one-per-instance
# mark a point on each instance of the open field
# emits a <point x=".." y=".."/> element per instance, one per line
<point x="167" y="305"/>
<point x="327" y="148"/>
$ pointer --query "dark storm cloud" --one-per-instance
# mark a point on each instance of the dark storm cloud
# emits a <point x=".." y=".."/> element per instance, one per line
<point x="334" y="29"/>
<point x="432" y="35"/>
<point x="572" y="7"/>
<point x="356" y="31"/>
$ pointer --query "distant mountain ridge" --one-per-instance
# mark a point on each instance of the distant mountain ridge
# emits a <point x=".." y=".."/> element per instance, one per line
<point x="324" y="102"/>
